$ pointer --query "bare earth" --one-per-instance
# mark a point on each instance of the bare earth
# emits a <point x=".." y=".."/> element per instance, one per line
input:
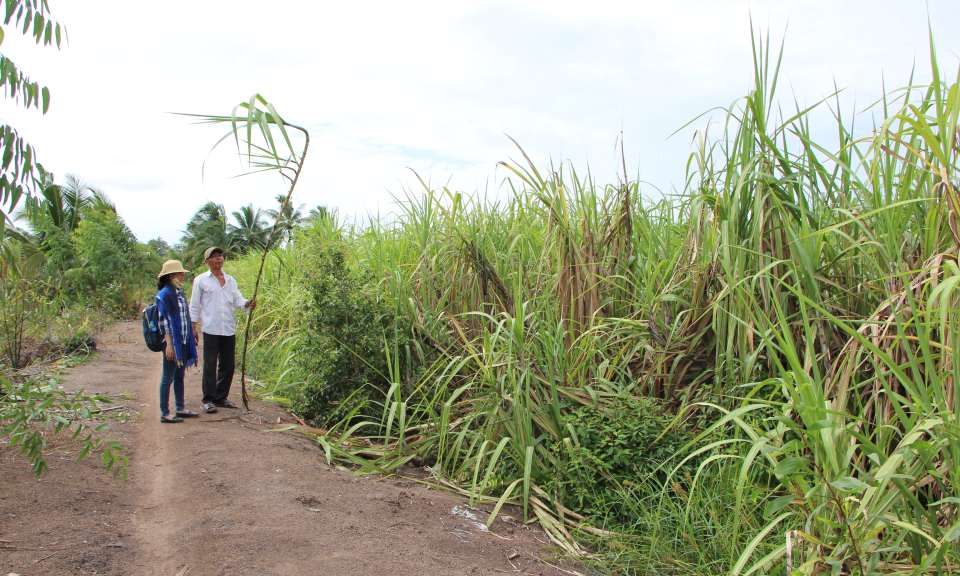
<point x="219" y="495"/>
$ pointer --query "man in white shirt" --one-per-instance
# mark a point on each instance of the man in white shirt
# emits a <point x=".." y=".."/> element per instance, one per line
<point x="214" y="301"/>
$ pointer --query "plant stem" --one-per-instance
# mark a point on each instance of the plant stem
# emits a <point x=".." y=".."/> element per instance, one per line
<point x="263" y="259"/>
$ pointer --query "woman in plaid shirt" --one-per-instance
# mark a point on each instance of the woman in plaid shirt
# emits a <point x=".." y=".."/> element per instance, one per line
<point x="180" y="351"/>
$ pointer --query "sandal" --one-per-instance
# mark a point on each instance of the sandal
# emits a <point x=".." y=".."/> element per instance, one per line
<point x="210" y="408"/>
<point x="171" y="419"/>
<point x="227" y="404"/>
<point x="187" y="414"/>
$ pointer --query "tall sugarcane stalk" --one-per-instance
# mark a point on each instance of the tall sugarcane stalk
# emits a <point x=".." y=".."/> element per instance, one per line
<point x="262" y="158"/>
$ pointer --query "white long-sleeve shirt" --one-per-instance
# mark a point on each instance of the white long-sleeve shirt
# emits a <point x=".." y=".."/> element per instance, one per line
<point x="214" y="305"/>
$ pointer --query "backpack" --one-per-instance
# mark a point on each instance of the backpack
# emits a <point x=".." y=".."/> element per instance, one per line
<point x="151" y="329"/>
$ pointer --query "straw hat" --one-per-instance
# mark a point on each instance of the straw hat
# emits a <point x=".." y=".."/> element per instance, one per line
<point x="171" y="267"/>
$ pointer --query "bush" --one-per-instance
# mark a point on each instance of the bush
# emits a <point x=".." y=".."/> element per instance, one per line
<point x="110" y="263"/>
<point x="344" y="351"/>
<point x="625" y="444"/>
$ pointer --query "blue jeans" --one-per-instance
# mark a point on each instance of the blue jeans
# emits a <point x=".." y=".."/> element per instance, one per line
<point x="171" y="374"/>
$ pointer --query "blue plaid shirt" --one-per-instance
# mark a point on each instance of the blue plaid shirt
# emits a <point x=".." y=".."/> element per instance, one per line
<point x="165" y="327"/>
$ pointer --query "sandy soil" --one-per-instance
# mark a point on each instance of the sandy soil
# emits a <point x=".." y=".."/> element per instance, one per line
<point x="219" y="495"/>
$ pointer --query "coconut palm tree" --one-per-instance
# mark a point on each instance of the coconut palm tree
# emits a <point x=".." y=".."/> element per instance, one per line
<point x="56" y="213"/>
<point x="319" y="213"/>
<point x="63" y="206"/>
<point x="208" y="227"/>
<point x="250" y="231"/>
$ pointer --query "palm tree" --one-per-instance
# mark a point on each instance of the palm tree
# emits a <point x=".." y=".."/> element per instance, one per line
<point x="56" y="213"/>
<point x="319" y="213"/>
<point x="251" y="229"/>
<point x="208" y="227"/>
<point x="63" y="206"/>
<point x="289" y="219"/>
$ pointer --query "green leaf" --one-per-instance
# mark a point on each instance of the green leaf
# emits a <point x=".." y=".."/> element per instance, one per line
<point x="953" y="533"/>
<point x="777" y="505"/>
<point x="849" y="484"/>
<point x="822" y="424"/>
<point x="790" y="466"/>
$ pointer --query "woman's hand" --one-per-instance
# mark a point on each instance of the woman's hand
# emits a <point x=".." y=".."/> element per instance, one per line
<point x="168" y="351"/>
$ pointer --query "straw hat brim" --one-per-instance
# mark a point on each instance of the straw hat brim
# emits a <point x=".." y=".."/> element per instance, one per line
<point x="172" y="267"/>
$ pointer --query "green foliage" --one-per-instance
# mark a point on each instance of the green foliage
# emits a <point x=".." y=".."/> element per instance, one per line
<point x="19" y="167"/>
<point x="208" y="227"/>
<point x="72" y="330"/>
<point x="628" y="442"/>
<point x="54" y="217"/>
<point x="696" y="529"/>
<point x="288" y="217"/>
<point x="348" y="327"/>
<point x="799" y="304"/>
<point x="248" y="231"/>
<point x="30" y="411"/>
<point x="21" y="307"/>
<point x="108" y="260"/>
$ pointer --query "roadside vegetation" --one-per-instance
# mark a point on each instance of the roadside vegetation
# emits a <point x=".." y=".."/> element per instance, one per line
<point x="756" y="375"/>
<point x="58" y="280"/>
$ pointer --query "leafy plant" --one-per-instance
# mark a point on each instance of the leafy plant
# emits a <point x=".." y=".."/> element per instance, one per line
<point x="22" y="307"/>
<point x="19" y="167"/>
<point x="347" y="329"/>
<point x="108" y="255"/>
<point x="625" y="442"/>
<point x="30" y="411"/>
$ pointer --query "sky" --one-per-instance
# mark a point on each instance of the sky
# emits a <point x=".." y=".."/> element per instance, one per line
<point x="392" y="90"/>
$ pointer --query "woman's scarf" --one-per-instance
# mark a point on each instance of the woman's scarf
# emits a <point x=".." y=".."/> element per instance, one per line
<point x="169" y="301"/>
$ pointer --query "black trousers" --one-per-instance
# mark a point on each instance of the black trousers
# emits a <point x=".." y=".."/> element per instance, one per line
<point x="218" y="366"/>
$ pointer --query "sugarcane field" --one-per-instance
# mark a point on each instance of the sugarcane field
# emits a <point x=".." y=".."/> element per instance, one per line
<point x="484" y="288"/>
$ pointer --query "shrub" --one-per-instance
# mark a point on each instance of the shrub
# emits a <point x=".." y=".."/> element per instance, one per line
<point x="348" y="329"/>
<point x="110" y="262"/>
<point x="625" y="443"/>
<point x="21" y="309"/>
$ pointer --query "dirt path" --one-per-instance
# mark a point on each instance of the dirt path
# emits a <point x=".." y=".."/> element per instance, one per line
<point x="222" y="496"/>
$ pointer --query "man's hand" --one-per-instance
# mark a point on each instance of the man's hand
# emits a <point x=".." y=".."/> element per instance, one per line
<point x="196" y="335"/>
<point x="251" y="304"/>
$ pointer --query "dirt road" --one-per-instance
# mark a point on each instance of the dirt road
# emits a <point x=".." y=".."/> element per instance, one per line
<point x="219" y="495"/>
